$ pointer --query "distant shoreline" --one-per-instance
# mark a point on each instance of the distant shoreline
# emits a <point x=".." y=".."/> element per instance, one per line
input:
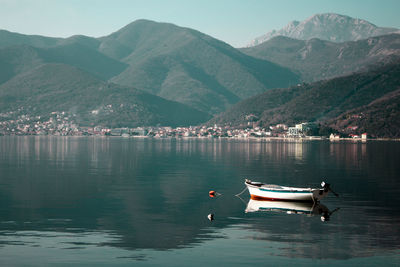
<point x="313" y="138"/>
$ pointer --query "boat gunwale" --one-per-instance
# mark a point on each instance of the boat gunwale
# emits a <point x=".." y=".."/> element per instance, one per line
<point x="282" y="189"/>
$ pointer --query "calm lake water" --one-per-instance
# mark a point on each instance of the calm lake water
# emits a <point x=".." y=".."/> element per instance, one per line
<point x="94" y="201"/>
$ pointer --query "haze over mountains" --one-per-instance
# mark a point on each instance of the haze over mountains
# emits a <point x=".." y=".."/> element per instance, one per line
<point x="150" y="73"/>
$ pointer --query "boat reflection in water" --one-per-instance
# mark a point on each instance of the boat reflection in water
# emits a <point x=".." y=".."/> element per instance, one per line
<point x="290" y="207"/>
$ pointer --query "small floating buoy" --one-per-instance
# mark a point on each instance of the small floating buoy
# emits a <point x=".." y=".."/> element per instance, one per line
<point x="211" y="193"/>
<point x="210" y="217"/>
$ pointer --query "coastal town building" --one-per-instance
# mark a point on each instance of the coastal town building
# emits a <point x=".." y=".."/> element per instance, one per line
<point x="65" y="124"/>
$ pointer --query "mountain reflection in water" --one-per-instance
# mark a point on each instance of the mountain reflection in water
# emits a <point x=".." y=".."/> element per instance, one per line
<point x="137" y="194"/>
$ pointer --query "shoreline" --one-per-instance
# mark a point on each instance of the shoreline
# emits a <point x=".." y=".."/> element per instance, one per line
<point x="311" y="138"/>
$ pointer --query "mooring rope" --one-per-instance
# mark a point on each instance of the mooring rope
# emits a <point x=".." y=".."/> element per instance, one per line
<point x="242" y="191"/>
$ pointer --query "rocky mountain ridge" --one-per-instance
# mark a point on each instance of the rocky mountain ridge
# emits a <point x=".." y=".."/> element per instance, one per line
<point x="327" y="26"/>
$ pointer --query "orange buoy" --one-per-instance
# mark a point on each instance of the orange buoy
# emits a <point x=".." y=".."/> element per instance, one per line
<point x="211" y="193"/>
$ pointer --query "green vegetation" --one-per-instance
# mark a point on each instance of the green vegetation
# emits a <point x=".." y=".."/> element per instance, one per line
<point x="19" y="59"/>
<point x="176" y="63"/>
<point x="137" y="75"/>
<point x="317" y="59"/>
<point x="90" y="101"/>
<point x="322" y="101"/>
<point x="380" y="118"/>
<point x="190" y="67"/>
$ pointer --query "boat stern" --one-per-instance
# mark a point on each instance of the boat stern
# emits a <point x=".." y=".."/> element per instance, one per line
<point x="319" y="194"/>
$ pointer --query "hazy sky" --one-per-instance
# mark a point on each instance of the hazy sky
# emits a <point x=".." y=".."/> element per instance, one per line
<point x="233" y="21"/>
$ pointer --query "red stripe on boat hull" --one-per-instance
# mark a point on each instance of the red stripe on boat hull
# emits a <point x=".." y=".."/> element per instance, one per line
<point x="254" y="197"/>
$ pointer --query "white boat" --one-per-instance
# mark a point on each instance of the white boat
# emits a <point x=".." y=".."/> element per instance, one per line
<point x="261" y="191"/>
<point x="289" y="207"/>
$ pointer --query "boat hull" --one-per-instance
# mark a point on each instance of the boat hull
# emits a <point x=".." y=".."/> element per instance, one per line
<point x="260" y="192"/>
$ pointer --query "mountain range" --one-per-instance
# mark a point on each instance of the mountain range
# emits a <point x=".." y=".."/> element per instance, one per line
<point x="317" y="59"/>
<point x="327" y="26"/>
<point x="150" y="73"/>
<point x="176" y="63"/>
<point x="187" y="66"/>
